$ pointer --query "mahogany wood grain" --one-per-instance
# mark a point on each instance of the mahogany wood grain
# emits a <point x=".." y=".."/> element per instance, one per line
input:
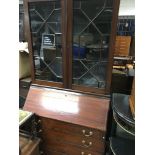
<point x="88" y="89"/>
<point x="69" y="149"/>
<point x="53" y="136"/>
<point x="63" y="40"/>
<point x="67" y="128"/>
<point x="51" y="152"/>
<point x="116" y="4"/>
<point x="69" y="107"/>
<point x="69" y="39"/>
<point x="45" y="83"/>
<point x="28" y="37"/>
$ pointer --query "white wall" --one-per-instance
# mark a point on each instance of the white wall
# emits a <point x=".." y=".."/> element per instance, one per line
<point x="127" y="7"/>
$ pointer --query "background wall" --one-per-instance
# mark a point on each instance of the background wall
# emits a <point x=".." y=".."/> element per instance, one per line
<point x="127" y="7"/>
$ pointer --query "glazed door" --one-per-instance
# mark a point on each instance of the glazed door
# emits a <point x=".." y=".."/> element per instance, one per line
<point x="93" y="32"/>
<point x="71" y="43"/>
<point x="46" y="41"/>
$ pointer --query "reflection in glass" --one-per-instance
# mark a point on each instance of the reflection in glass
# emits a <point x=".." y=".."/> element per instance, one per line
<point x="45" y="24"/>
<point x="91" y="34"/>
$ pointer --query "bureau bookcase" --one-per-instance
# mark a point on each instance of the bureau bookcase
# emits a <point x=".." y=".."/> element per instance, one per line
<point x="71" y="45"/>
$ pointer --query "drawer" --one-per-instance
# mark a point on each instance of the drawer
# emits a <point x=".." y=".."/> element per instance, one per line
<point x="88" y="143"/>
<point x="48" y="151"/>
<point x="68" y="128"/>
<point x="68" y="149"/>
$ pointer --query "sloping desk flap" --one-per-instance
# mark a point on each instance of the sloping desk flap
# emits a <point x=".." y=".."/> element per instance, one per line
<point x="71" y="107"/>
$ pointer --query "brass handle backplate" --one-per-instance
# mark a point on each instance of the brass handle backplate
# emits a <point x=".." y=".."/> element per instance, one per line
<point x="83" y="153"/>
<point x="85" y="144"/>
<point x="90" y="133"/>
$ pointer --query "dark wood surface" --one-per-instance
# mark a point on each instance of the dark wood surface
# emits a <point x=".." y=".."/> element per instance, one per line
<point x="28" y="37"/>
<point x="69" y="107"/>
<point x="67" y="119"/>
<point x="58" y="137"/>
<point x="85" y="89"/>
<point x="63" y="40"/>
<point x="72" y="135"/>
<point x="70" y="149"/>
<point x="68" y="128"/>
<point x="66" y="138"/>
<point x="69" y="42"/>
<point x="49" y="151"/>
<point x="116" y="4"/>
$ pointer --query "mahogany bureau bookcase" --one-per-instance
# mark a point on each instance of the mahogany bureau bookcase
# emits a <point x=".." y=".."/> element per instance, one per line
<point x="71" y="44"/>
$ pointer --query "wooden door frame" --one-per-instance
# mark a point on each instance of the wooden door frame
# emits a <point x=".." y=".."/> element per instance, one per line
<point x="67" y="27"/>
<point x="116" y="4"/>
<point x="111" y="50"/>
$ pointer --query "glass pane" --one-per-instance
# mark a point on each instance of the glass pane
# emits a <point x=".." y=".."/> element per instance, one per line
<point x="45" y="22"/>
<point x="91" y="35"/>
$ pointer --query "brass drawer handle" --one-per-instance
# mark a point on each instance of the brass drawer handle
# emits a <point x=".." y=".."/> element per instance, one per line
<point x="82" y="153"/>
<point x="40" y="131"/>
<point x="87" y="135"/>
<point x="38" y="122"/>
<point x="86" y="145"/>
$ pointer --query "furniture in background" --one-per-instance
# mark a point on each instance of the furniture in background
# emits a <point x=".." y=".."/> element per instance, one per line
<point x="124" y="53"/>
<point x="68" y="122"/>
<point x="28" y="142"/>
<point x="122" y="46"/>
<point x="122" y="140"/>
<point x="132" y="99"/>
<point x="121" y="82"/>
<point x="28" y="146"/>
<point x="21" y="22"/>
<point x="24" y="85"/>
<point x="71" y="46"/>
<point x="126" y="25"/>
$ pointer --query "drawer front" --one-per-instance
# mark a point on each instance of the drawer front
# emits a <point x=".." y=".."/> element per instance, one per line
<point x="68" y="128"/>
<point x="68" y="149"/>
<point x="88" y="143"/>
<point x="48" y="151"/>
